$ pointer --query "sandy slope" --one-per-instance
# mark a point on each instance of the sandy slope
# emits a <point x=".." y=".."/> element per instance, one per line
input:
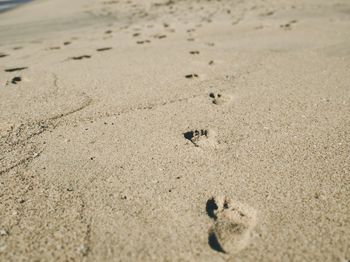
<point x="108" y="152"/>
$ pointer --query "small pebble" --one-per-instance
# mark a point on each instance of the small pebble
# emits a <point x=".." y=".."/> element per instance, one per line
<point x="84" y="249"/>
<point x="3" y="232"/>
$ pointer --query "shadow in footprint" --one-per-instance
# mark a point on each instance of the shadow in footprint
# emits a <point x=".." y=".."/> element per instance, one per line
<point x="143" y="42"/>
<point x="103" y="49"/>
<point x="188" y="135"/>
<point x="191" y="76"/>
<point x="80" y="57"/>
<point x="211" y="207"/>
<point x="214" y="243"/>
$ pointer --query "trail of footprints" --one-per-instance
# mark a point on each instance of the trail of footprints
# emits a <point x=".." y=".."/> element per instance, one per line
<point x="232" y="222"/>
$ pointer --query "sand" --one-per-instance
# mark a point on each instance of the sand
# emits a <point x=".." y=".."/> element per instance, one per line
<point x="175" y="131"/>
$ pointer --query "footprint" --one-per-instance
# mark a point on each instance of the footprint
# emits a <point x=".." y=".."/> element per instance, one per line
<point x="15" y="69"/>
<point x="103" y="49"/>
<point x="80" y="57"/>
<point x="201" y="138"/>
<point x="268" y="13"/>
<point x="54" y="48"/>
<point x="233" y="224"/>
<point x="143" y="42"/>
<point x="15" y="80"/>
<point x="191" y="76"/>
<point x="288" y="26"/>
<point x="219" y="99"/>
<point x="210" y="44"/>
<point x="159" y="36"/>
<point x="3" y="55"/>
<point x="194" y="52"/>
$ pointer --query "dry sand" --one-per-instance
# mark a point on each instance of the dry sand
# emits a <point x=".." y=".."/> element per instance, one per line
<point x="175" y="131"/>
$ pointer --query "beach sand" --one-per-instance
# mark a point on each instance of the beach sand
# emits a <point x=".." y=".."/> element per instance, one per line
<point x="175" y="131"/>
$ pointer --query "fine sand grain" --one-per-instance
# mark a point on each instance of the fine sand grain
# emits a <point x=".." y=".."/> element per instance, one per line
<point x="175" y="130"/>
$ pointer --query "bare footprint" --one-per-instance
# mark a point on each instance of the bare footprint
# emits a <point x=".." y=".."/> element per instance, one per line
<point x="159" y="36"/>
<point x="16" y="69"/>
<point x="288" y="26"/>
<point x="233" y="224"/>
<point x="219" y="99"/>
<point x="201" y="138"/>
<point x="191" y="75"/>
<point x="103" y="49"/>
<point x="15" y="80"/>
<point x="143" y="42"/>
<point x="80" y="57"/>
<point x="54" y="48"/>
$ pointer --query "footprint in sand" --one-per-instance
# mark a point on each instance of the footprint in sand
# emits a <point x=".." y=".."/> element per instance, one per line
<point x="15" y="80"/>
<point x="80" y="57"/>
<point x="54" y="48"/>
<point x="288" y="26"/>
<point x="159" y="36"/>
<point x="201" y="138"/>
<point x="233" y="224"/>
<point x="16" y="69"/>
<point x="143" y="42"/>
<point x="103" y="49"/>
<point x="191" y="75"/>
<point x="219" y="99"/>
